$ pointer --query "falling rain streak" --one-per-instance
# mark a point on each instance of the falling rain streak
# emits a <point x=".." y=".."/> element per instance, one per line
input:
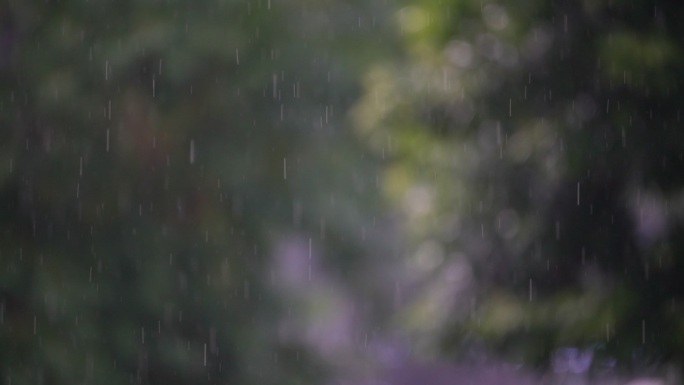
<point x="530" y="290"/>
<point x="402" y="145"/>
<point x="275" y="86"/>
<point x="643" y="332"/>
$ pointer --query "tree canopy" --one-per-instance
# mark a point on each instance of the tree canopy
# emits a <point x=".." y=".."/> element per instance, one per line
<point x="257" y="191"/>
<point x="536" y="148"/>
<point x="154" y="155"/>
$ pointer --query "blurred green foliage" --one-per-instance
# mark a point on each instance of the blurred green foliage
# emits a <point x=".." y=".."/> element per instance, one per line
<point x="536" y="150"/>
<point x="235" y="191"/>
<point x="152" y="156"/>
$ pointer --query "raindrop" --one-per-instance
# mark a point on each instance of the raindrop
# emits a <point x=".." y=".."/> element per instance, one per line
<point x="275" y="86"/>
<point x="643" y="331"/>
<point x="530" y="295"/>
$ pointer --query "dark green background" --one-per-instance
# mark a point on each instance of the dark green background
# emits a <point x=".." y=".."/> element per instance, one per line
<point x="462" y="173"/>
